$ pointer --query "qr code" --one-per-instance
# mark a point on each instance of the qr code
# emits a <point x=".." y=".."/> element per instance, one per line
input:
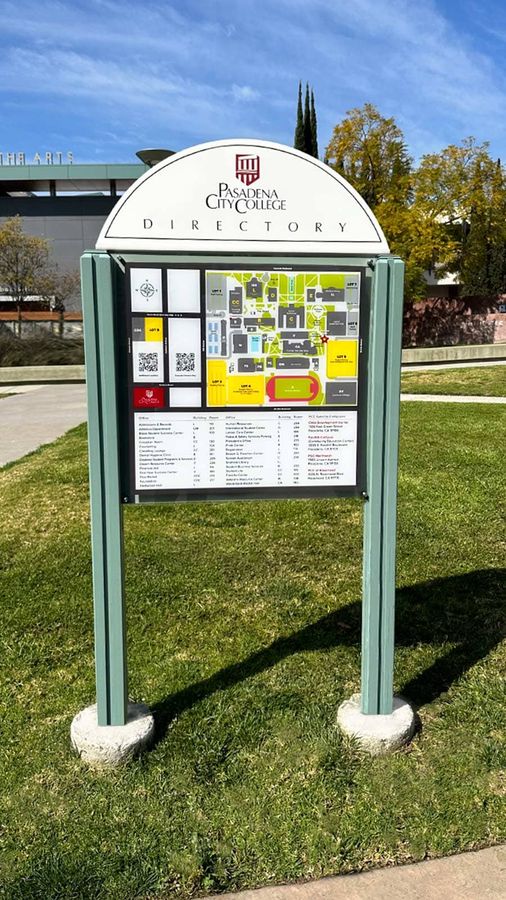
<point x="148" y="362"/>
<point x="185" y="362"/>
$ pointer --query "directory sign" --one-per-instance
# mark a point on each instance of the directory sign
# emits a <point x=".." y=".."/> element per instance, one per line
<point x="243" y="196"/>
<point x="242" y="381"/>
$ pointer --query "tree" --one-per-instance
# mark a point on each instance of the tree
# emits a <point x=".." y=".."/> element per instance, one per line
<point x="63" y="288"/>
<point x="482" y="269"/>
<point x="463" y="189"/>
<point x="419" y="240"/>
<point x="299" y="137"/>
<point x="369" y="151"/>
<point x="314" y="129"/>
<point x="308" y="137"/>
<point x="446" y="216"/>
<point x="24" y="263"/>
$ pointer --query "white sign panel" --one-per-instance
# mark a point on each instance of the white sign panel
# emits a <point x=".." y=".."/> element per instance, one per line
<point x="242" y="195"/>
<point x="146" y="290"/>
<point x="183" y="290"/>
<point x="191" y="451"/>
<point x="147" y="361"/>
<point x="184" y="350"/>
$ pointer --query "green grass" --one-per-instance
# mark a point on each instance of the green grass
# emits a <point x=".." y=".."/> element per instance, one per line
<point x="484" y="381"/>
<point x="244" y="636"/>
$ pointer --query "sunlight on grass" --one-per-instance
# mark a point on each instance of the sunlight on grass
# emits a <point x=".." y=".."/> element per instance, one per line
<point x="244" y="637"/>
<point x="478" y="381"/>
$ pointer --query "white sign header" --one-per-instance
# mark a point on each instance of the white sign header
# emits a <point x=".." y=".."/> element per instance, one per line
<point x="242" y="195"/>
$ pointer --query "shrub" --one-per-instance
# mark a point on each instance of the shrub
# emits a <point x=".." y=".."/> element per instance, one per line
<point x="40" y="349"/>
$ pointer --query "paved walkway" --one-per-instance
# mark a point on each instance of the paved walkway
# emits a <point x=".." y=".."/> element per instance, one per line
<point x="33" y="415"/>
<point x="468" y="876"/>
<point x="452" y="364"/>
<point x="36" y="414"/>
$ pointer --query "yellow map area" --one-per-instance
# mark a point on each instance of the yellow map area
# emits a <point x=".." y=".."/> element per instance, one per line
<point x="216" y="382"/>
<point x="243" y="390"/>
<point x="153" y="329"/>
<point x="342" y="359"/>
<point x="233" y="390"/>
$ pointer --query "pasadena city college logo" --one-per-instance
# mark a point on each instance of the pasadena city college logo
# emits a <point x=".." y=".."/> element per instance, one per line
<point x="247" y="168"/>
<point x="148" y="397"/>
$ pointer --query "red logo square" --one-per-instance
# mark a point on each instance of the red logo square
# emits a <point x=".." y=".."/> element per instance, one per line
<point x="149" y="397"/>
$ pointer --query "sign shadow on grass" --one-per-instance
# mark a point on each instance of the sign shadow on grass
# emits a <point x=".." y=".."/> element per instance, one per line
<point x="463" y="615"/>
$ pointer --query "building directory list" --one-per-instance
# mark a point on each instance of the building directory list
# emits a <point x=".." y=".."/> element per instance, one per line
<point x="242" y="379"/>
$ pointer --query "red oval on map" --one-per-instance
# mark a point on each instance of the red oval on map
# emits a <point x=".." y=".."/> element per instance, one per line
<point x="292" y="388"/>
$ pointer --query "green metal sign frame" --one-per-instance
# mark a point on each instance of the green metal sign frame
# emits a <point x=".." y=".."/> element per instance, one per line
<point x="100" y="296"/>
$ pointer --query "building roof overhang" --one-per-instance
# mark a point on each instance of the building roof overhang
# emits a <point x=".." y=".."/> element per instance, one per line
<point x="75" y="178"/>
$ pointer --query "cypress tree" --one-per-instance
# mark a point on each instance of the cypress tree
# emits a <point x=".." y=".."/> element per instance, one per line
<point x="308" y="137"/>
<point x="497" y="257"/>
<point x="299" y="141"/>
<point x="314" y="129"/>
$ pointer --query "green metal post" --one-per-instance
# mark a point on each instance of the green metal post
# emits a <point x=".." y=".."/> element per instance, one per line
<point x="106" y="514"/>
<point x="380" y="507"/>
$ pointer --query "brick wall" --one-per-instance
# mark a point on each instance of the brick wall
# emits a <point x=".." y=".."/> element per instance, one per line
<point x="444" y="322"/>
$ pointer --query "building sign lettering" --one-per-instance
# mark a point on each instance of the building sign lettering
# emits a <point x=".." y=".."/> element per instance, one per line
<point x="47" y="157"/>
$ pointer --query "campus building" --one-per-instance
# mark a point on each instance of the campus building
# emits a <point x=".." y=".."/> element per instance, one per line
<point x="65" y="203"/>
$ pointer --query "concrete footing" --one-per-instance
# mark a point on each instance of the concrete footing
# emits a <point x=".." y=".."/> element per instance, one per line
<point x="111" y="745"/>
<point x="377" y="734"/>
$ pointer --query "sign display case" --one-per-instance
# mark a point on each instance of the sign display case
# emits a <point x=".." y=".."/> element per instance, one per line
<point x="242" y="381"/>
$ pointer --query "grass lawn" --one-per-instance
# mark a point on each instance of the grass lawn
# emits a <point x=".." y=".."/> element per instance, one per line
<point x="484" y="381"/>
<point x="244" y="636"/>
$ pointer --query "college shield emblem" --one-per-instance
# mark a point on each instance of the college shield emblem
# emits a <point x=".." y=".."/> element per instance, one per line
<point x="247" y="168"/>
<point x="149" y="397"/>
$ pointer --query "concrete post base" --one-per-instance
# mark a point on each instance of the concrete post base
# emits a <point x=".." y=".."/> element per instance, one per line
<point x="111" y="745"/>
<point x="377" y="734"/>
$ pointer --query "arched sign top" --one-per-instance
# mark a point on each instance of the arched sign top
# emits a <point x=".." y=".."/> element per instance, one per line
<point x="242" y="195"/>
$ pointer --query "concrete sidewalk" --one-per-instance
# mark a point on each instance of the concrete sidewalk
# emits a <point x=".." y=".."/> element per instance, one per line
<point x="451" y="398"/>
<point x="36" y="414"/>
<point x="436" y="367"/>
<point x="33" y="415"/>
<point x="467" y="876"/>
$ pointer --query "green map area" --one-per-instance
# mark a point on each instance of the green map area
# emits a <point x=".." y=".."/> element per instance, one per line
<point x="294" y="333"/>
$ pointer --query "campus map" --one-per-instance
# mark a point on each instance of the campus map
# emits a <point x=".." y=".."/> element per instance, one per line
<point x="278" y="338"/>
<point x="243" y="379"/>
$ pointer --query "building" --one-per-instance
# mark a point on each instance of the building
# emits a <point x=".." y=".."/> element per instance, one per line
<point x="67" y="204"/>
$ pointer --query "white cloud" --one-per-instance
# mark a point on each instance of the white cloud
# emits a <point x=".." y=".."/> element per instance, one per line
<point x="244" y="92"/>
<point x="420" y="68"/>
<point x="198" y="71"/>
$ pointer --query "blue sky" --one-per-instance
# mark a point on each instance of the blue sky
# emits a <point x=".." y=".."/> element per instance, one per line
<point x="104" y="78"/>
